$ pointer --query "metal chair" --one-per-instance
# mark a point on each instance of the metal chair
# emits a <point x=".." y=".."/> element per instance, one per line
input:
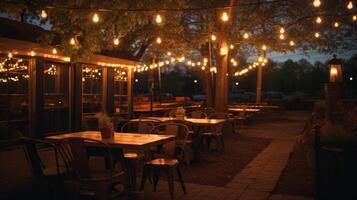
<point x="100" y="181"/>
<point x="169" y="162"/>
<point x="215" y="132"/>
<point x="171" y="113"/>
<point x="197" y="114"/>
<point x="141" y="126"/>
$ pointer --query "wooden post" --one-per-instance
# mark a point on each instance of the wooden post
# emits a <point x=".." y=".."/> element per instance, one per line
<point x="130" y="92"/>
<point x="221" y="99"/>
<point x="258" y="99"/>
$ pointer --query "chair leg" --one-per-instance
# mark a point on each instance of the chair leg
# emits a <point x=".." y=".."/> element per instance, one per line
<point x="146" y="173"/>
<point x="170" y="181"/>
<point x="208" y="142"/>
<point x="222" y="142"/>
<point x="156" y="175"/>
<point x="181" y="180"/>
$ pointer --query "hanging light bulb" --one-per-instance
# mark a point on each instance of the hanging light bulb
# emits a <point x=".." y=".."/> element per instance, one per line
<point x="95" y="18"/>
<point x="224" y="17"/>
<point x="317" y="35"/>
<point x="282" y="37"/>
<point x="292" y="43"/>
<point x="213" y="37"/>
<point x="72" y="41"/>
<point x="54" y="51"/>
<point x="32" y="53"/>
<point x="43" y="14"/>
<point x="354" y="18"/>
<point x="9" y="55"/>
<point x="282" y="30"/>
<point x="169" y="53"/>
<point x="317" y="3"/>
<point x="350" y="5"/>
<point x="158" y="19"/>
<point x="318" y="20"/>
<point x="264" y="47"/>
<point x="116" y="41"/>
<point x="246" y="36"/>
<point x="231" y="46"/>
<point x="158" y="40"/>
<point x="336" y="24"/>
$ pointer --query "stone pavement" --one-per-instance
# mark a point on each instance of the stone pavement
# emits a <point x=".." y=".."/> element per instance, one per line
<point x="258" y="179"/>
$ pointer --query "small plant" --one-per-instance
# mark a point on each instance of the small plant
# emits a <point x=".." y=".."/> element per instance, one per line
<point x="180" y="111"/>
<point x="104" y="121"/>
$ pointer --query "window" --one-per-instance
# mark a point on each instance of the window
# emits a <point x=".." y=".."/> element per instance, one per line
<point x="92" y="89"/>
<point x="14" y="97"/>
<point x="120" y="91"/>
<point x="56" y="97"/>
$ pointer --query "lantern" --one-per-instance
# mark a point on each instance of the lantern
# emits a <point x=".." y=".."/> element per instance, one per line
<point x="335" y="66"/>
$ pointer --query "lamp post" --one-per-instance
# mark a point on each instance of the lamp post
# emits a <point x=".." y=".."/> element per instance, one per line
<point x="333" y="87"/>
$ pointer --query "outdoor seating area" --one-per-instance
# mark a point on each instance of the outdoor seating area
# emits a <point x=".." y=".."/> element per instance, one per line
<point x="185" y="100"/>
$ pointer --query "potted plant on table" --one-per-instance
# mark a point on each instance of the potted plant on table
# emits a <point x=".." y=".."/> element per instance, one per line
<point x="180" y="113"/>
<point x="105" y="126"/>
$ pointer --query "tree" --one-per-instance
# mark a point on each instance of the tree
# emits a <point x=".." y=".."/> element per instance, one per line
<point x="279" y="25"/>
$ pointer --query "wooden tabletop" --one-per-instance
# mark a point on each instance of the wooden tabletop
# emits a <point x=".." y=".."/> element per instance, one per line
<point x="196" y="121"/>
<point x="244" y="109"/>
<point x="120" y="140"/>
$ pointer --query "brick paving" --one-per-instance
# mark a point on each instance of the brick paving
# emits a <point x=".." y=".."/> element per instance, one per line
<point x="258" y="179"/>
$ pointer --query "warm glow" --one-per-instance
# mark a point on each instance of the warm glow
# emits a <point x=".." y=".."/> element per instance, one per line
<point x="333" y="71"/>
<point x="350" y="5"/>
<point x="282" y="30"/>
<point x="231" y="46"/>
<point x="336" y="24"/>
<point x="282" y="37"/>
<point x="264" y="47"/>
<point x="317" y="3"/>
<point x="246" y="36"/>
<point x="9" y="55"/>
<point x="205" y="60"/>
<point x="169" y="53"/>
<point x="317" y="34"/>
<point x="158" y="40"/>
<point x="232" y="60"/>
<point x="318" y="20"/>
<point x="235" y="64"/>
<point x="354" y="17"/>
<point x="292" y="43"/>
<point x="203" y="68"/>
<point x="223" y="50"/>
<point x="72" y="41"/>
<point x="54" y="51"/>
<point x="158" y="19"/>
<point x="32" y="53"/>
<point x="95" y="18"/>
<point x="224" y="17"/>
<point x="43" y="14"/>
<point x="260" y="59"/>
<point x="116" y="41"/>
<point x="213" y="37"/>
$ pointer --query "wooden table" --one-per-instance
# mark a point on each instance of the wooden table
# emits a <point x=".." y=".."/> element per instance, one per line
<point x="194" y="121"/>
<point x="252" y="110"/>
<point x="121" y="141"/>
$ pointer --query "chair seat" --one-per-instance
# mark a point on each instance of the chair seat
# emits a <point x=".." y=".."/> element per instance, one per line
<point x="133" y="155"/>
<point x="164" y="162"/>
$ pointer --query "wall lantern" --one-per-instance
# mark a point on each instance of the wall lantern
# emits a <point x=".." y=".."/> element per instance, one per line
<point x="335" y="66"/>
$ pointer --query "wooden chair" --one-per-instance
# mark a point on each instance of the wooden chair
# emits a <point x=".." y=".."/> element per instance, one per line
<point x="99" y="181"/>
<point x="215" y="132"/>
<point x="197" y="114"/>
<point x="171" y="113"/>
<point x="169" y="162"/>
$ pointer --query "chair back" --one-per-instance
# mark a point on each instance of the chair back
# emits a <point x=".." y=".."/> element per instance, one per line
<point x="137" y="127"/>
<point x="31" y="148"/>
<point x="79" y="147"/>
<point x="181" y="131"/>
<point x="197" y="114"/>
<point x="219" y="115"/>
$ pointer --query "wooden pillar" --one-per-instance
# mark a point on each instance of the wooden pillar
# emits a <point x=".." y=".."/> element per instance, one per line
<point x="258" y="99"/>
<point x="130" y="91"/>
<point x="77" y="107"/>
<point x="221" y="97"/>
<point x="39" y="100"/>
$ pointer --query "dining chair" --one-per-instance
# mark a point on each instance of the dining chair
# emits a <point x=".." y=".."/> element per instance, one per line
<point x="215" y="132"/>
<point x="197" y="114"/>
<point x="44" y="160"/>
<point x="171" y="113"/>
<point x="101" y="181"/>
<point x="168" y="162"/>
<point x="141" y="126"/>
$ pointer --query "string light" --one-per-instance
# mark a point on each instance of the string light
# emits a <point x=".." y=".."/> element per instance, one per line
<point x="336" y="24"/>
<point x="205" y="60"/>
<point x="72" y="41"/>
<point x="264" y="47"/>
<point x="213" y="37"/>
<point x="158" y="19"/>
<point x="231" y="46"/>
<point x="354" y="18"/>
<point x="224" y="17"/>
<point x="116" y="41"/>
<point x="246" y="36"/>
<point x="282" y="37"/>
<point x="32" y="53"/>
<point x="169" y="53"/>
<point x="158" y="40"/>
<point x="317" y="3"/>
<point x="282" y="30"/>
<point x="43" y="14"/>
<point x="318" y="20"/>
<point x="54" y="51"/>
<point x="95" y="18"/>
<point x="350" y="5"/>
<point x="317" y="34"/>
<point x="292" y="43"/>
<point x="9" y="55"/>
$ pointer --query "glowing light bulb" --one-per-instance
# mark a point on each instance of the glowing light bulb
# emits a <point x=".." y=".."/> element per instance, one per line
<point x="231" y="46"/>
<point x="224" y="17"/>
<point x="213" y="37"/>
<point x="292" y="43"/>
<point x="318" y="20"/>
<point x="354" y="18"/>
<point x="158" y="19"/>
<point x="205" y="60"/>
<point x="116" y="41"/>
<point x="264" y="47"/>
<point x="32" y="53"/>
<point x="317" y="3"/>
<point x="282" y="37"/>
<point x="9" y="55"/>
<point x="54" y="51"/>
<point x="350" y="5"/>
<point x="317" y="35"/>
<point x="246" y="36"/>
<point x="72" y="41"/>
<point x="260" y="59"/>
<point x="282" y="30"/>
<point x="336" y="24"/>
<point x="43" y="14"/>
<point x="169" y="53"/>
<point x="158" y="40"/>
<point x="95" y="18"/>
